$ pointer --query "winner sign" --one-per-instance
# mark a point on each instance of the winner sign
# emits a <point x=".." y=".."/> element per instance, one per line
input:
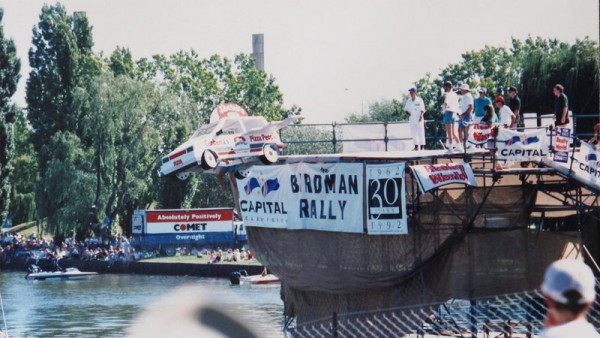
<point x="431" y="176"/>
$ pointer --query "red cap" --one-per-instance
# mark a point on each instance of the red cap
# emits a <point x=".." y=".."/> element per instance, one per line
<point x="499" y="99"/>
<point x="597" y="127"/>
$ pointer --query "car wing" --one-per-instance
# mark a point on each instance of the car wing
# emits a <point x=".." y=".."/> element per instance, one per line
<point x="275" y="126"/>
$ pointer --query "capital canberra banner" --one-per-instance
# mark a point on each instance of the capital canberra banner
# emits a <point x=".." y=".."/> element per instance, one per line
<point x="313" y="196"/>
<point x="431" y="176"/>
<point x="531" y="145"/>
<point x="586" y="164"/>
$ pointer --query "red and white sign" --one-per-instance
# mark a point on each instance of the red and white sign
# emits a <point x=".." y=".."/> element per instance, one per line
<point x="480" y="133"/>
<point x="562" y="139"/>
<point x="431" y="176"/>
<point x="188" y="221"/>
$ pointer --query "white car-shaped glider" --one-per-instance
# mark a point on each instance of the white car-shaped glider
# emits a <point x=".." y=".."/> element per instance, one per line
<point x="231" y="139"/>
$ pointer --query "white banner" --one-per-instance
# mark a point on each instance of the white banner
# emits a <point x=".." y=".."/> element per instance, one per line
<point x="399" y="136"/>
<point x="480" y="133"/>
<point x="513" y="146"/>
<point x="386" y="199"/>
<point x="371" y="134"/>
<point x="263" y="196"/>
<point x="315" y="196"/>
<point x="586" y="164"/>
<point x="431" y="176"/>
<point x="188" y="221"/>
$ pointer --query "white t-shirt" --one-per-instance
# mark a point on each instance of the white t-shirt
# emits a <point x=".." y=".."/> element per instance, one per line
<point x="467" y="99"/>
<point x="414" y="108"/>
<point x="578" y="328"/>
<point x="505" y="115"/>
<point x="451" y="102"/>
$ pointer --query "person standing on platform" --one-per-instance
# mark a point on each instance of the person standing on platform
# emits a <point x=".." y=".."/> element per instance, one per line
<point x="415" y="109"/>
<point x="479" y="104"/>
<point x="514" y="103"/>
<point x="450" y="108"/>
<point x="569" y="291"/>
<point x="561" y="106"/>
<point x="466" y="109"/>
<point x="507" y="118"/>
<point x="490" y="114"/>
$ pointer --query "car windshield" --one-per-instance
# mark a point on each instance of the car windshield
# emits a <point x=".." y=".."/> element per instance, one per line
<point x="255" y="122"/>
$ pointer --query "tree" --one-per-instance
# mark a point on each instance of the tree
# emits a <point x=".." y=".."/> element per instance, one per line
<point x="10" y="66"/>
<point x="129" y="122"/>
<point x="60" y="61"/>
<point x="544" y="63"/>
<point x="380" y="111"/>
<point x="65" y="191"/>
<point x="26" y="173"/>
<point x="208" y="82"/>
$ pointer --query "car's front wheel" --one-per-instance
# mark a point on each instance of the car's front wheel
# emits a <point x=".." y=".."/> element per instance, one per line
<point x="209" y="160"/>
<point x="270" y="154"/>
<point x="184" y="175"/>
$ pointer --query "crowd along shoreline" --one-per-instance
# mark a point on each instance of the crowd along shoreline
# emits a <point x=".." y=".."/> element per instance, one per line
<point x="144" y="267"/>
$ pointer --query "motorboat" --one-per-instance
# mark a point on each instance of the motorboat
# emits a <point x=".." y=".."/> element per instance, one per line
<point x="242" y="278"/>
<point x="35" y="273"/>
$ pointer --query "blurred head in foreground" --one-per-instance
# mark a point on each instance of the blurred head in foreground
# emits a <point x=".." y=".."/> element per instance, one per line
<point x="186" y="313"/>
<point x="569" y="288"/>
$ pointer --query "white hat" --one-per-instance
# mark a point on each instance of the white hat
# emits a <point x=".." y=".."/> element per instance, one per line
<point x="464" y="86"/>
<point x="482" y="90"/>
<point x="566" y="275"/>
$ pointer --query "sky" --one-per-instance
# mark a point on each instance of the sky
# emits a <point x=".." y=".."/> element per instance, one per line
<point x="331" y="58"/>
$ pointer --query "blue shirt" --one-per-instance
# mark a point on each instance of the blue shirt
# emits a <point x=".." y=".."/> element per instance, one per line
<point x="478" y="105"/>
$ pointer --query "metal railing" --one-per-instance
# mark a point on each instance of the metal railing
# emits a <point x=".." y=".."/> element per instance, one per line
<point x="329" y="137"/>
<point x="509" y="315"/>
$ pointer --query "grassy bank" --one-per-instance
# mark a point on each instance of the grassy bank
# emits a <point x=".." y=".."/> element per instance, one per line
<point x="194" y="260"/>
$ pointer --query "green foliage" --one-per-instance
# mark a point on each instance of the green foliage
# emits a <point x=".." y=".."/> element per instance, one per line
<point x="308" y="139"/>
<point x="380" y="111"/>
<point x="65" y="191"/>
<point x="10" y="65"/>
<point x="129" y="121"/>
<point x="60" y="61"/>
<point x="532" y="66"/>
<point x="25" y="172"/>
<point x="545" y="63"/>
<point x="121" y="62"/>
<point x="208" y="82"/>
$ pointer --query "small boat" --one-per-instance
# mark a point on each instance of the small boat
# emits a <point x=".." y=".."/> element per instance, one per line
<point x="35" y="273"/>
<point x="242" y="277"/>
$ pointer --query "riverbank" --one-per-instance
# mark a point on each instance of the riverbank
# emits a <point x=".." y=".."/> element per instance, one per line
<point x="149" y="267"/>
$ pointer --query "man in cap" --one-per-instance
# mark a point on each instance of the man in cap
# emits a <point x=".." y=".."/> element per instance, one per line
<point x="450" y="108"/>
<point x="479" y="103"/>
<point x="569" y="292"/>
<point x="561" y="106"/>
<point x="507" y="117"/>
<point x="466" y="109"/>
<point x="514" y="103"/>
<point x="415" y="109"/>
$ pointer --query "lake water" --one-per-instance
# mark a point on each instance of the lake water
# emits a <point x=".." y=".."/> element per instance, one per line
<point x="107" y="305"/>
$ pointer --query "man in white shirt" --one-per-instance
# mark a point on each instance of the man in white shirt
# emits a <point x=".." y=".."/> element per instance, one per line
<point x="569" y="292"/>
<point x="450" y="108"/>
<point x="466" y="111"/>
<point x="415" y="109"/>
<point x="507" y="117"/>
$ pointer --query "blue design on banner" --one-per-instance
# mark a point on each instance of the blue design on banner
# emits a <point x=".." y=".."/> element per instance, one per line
<point x="265" y="189"/>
